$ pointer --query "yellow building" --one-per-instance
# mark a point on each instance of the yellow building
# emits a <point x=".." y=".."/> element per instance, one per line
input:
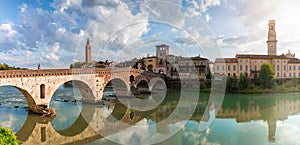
<point x="150" y="63"/>
<point x="285" y="66"/>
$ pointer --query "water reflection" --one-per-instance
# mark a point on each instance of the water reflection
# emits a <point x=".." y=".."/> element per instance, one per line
<point x="246" y="119"/>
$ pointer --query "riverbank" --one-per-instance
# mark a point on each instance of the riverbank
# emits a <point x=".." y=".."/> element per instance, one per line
<point x="259" y="91"/>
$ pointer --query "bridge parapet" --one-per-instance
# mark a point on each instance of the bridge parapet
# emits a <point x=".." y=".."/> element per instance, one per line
<point x="61" y="72"/>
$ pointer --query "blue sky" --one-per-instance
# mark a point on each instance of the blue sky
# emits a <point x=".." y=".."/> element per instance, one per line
<point x="54" y="33"/>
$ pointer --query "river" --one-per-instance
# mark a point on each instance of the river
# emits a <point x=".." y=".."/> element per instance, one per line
<point x="242" y="119"/>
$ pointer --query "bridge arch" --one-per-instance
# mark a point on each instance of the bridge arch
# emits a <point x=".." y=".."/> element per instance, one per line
<point x="31" y="104"/>
<point x="120" y="86"/>
<point x="86" y="112"/>
<point x="83" y="86"/>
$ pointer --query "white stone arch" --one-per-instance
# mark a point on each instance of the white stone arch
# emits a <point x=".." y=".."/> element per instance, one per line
<point x="27" y="92"/>
<point x="118" y="81"/>
<point x="84" y="82"/>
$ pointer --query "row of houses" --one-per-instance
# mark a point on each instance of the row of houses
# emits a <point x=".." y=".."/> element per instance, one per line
<point x="171" y="65"/>
<point x="285" y="65"/>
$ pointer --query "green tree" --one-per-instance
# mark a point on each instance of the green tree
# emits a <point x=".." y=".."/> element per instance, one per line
<point x="244" y="81"/>
<point x="266" y="76"/>
<point x="208" y="75"/>
<point x="232" y="84"/>
<point x="7" y="137"/>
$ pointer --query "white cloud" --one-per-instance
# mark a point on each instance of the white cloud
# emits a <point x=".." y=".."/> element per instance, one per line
<point x="207" y="17"/>
<point x="57" y="37"/>
<point x="205" y="4"/>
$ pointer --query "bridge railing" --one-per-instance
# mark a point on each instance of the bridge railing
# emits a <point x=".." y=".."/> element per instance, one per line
<point x="61" y="72"/>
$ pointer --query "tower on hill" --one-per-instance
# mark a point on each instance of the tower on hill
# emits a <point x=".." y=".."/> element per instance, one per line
<point x="272" y="41"/>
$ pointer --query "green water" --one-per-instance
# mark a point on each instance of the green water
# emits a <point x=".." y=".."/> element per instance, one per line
<point x="242" y="120"/>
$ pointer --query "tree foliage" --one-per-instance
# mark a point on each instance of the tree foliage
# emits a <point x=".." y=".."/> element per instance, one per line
<point x="266" y="76"/>
<point x="7" y="137"/>
<point x="208" y="75"/>
<point x="4" y="66"/>
<point x="244" y="81"/>
<point x="232" y="84"/>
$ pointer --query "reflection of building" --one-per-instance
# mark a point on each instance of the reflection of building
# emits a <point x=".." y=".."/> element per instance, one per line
<point x="271" y="113"/>
<point x="285" y="66"/>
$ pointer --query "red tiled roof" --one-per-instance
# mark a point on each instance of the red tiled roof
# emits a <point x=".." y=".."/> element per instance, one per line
<point x="294" y="60"/>
<point x="227" y="60"/>
<point x="255" y="56"/>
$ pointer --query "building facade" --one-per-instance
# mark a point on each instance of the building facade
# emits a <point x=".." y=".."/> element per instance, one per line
<point x="176" y="66"/>
<point x="285" y="65"/>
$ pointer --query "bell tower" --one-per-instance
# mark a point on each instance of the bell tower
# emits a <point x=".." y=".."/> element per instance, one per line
<point x="272" y="42"/>
<point x="88" y="51"/>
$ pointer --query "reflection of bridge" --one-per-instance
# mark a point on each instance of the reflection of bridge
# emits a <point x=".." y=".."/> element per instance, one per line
<point x="92" y="123"/>
<point x="38" y="86"/>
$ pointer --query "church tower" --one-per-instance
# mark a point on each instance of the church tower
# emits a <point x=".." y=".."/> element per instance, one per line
<point x="272" y="42"/>
<point x="88" y="51"/>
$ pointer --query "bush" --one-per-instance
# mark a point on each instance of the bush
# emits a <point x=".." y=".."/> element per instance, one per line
<point x="232" y="84"/>
<point x="7" y="137"/>
<point x="244" y="81"/>
<point x="203" y="85"/>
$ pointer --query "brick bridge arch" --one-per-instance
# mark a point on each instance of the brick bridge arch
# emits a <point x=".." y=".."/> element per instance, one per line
<point x="38" y="86"/>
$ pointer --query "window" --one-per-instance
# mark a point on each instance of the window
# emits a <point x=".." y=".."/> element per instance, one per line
<point x="290" y="74"/>
<point x="217" y="68"/>
<point x="241" y="67"/>
<point x="290" y="67"/>
<point x="234" y="67"/>
<point x="298" y="67"/>
<point x="277" y="67"/>
<point x="255" y="68"/>
<point x="223" y="67"/>
<point x="247" y="60"/>
<point x="299" y="75"/>
<point x="278" y="75"/>
<point x="277" y="61"/>
<point x="284" y="74"/>
<point x="42" y="91"/>
<point x="284" y="67"/>
<point x="234" y="74"/>
<point x="294" y="67"/>
<point x="294" y="75"/>
<point x="241" y="60"/>
<point x="229" y="74"/>
<point x="246" y="67"/>
<point x="228" y="67"/>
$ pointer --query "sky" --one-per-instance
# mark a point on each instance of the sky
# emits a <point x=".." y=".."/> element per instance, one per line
<point x="54" y="33"/>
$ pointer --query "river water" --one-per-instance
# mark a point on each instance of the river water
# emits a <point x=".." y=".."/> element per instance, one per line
<point x="242" y="119"/>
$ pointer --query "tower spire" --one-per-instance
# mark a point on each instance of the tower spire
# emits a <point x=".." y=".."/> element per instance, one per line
<point x="88" y="51"/>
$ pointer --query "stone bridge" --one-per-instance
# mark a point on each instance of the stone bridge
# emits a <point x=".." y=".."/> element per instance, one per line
<point x="38" y="86"/>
